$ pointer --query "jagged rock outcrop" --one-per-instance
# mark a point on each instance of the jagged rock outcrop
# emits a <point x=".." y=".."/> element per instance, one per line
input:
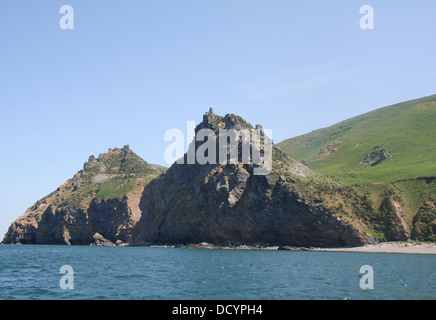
<point x="101" y="199"/>
<point x="119" y="199"/>
<point x="216" y="203"/>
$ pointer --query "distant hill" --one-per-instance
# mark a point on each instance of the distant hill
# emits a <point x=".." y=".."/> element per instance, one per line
<point x="389" y="144"/>
<point x="389" y="155"/>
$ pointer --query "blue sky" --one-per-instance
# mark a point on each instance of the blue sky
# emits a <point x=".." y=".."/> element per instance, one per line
<point x="130" y="70"/>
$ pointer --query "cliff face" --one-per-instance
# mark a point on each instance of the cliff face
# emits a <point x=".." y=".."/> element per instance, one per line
<point x="118" y="198"/>
<point x="102" y="199"/>
<point x="217" y="203"/>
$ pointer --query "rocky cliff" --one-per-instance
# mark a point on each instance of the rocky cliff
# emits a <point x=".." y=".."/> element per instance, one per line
<point x="101" y="199"/>
<point x="118" y="198"/>
<point x="224" y="202"/>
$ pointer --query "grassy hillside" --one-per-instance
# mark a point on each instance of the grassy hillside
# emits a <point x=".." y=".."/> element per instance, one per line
<point x="112" y="175"/>
<point x="389" y="144"/>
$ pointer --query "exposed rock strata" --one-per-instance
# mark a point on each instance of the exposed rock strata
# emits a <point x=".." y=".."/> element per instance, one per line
<point x="101" y="199"/>
<point x="194" y="203"/>
<point x="119" y="199"/>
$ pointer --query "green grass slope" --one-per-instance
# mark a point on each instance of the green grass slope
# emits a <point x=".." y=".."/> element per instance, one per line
<point x="406" y="131"/>
<point x="110" y="176"/>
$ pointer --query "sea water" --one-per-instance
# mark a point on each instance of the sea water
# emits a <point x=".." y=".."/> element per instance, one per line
<point x="34" y="272"/>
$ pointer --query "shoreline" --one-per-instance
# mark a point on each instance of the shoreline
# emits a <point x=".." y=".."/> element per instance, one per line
<point x="389" y="247"/>
<point x="384" y="247"/>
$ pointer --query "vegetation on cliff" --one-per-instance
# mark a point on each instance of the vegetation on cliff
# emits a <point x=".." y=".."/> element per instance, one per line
<point x="101" y="196"/>
<point x="387" y="155"/>
<point x="367" y="179"/>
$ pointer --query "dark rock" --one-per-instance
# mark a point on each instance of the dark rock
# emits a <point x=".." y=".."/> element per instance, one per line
<point x="375" y="157"/>
<point x="99" y="240"/>
<point x="229" y="203"/>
